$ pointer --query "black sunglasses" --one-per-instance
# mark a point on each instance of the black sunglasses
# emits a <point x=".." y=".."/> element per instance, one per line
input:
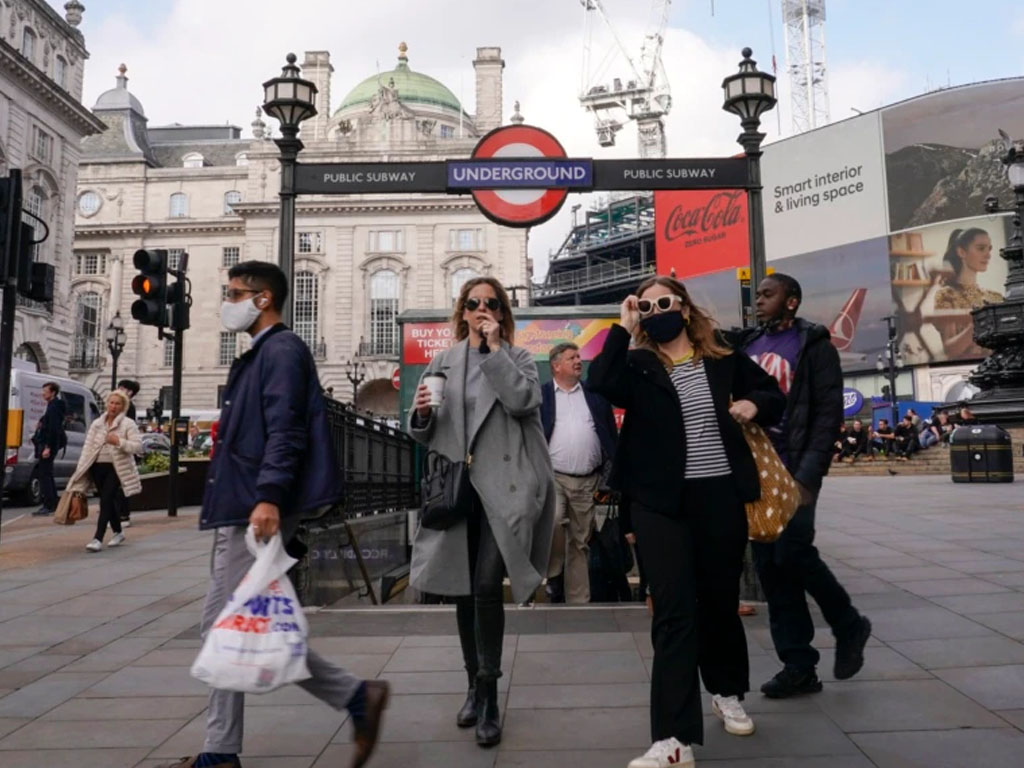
<point x="474" y="303"/>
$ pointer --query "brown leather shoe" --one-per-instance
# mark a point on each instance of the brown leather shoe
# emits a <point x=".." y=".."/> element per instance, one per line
<point x="377" y="694"/>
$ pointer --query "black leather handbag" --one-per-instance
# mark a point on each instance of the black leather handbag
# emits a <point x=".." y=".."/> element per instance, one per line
<point x="445" y="491"/>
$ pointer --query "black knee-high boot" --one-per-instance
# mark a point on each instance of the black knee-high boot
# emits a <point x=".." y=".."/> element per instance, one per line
<point x="488" y="718"/>
<point x="465" y="615"/>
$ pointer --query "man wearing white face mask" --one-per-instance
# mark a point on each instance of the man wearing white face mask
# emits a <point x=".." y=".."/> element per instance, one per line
<point x="273" y="463"/>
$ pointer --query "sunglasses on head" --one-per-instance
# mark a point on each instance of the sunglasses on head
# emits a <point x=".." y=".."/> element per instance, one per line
<point x="662" y="304"/>
<point x="474" y="304"/>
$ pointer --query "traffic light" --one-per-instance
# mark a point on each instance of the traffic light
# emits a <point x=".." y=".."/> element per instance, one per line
<point x="35" y="279"/>
<point x="10" y="223"/>
<point x="179" y="301"/>
<point x="151" y="286"/>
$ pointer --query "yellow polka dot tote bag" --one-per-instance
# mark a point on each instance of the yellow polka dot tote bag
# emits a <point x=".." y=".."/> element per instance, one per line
<point x="768" y="516"/>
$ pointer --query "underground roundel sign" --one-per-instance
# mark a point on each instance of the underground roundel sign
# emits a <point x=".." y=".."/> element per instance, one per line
<point x="519" y="175"/>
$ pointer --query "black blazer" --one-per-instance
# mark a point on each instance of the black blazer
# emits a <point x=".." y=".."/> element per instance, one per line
<point x="650" y="463"/>
<point x="600" y="412"/>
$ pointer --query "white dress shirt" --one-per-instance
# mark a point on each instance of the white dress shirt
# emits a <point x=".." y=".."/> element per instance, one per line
<point x="574" y="445"/>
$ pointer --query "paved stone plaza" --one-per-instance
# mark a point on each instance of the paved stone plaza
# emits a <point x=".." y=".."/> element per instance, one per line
<point x="95" y="650"/>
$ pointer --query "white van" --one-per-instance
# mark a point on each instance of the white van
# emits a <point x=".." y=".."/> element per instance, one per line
<point x="26" y="395"/>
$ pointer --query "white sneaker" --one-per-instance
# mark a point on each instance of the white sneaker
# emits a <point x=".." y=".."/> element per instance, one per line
<point x="670" y="753"/>
<point x="117" y="541"/>
<point x="94" y="546"/>
<point x="730" y="711"/>
<point x="126" y="523"/>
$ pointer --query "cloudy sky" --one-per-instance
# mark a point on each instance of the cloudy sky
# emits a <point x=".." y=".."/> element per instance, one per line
<point x="203" y="61"/>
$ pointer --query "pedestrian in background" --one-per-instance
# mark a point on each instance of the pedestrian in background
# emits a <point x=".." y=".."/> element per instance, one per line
<point x="275" y="463"/>
<point x="131" y="388"/>
<point x="801" y="357"/>
<point x="49" y="439"/>
<point x="108" y="464"/>
<point x="580" y="429"/>
<point x="491" y="411"/>
<point x="687" y="469"/>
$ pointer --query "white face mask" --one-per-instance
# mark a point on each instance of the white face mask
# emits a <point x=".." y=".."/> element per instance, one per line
<point x="239" y="316"/>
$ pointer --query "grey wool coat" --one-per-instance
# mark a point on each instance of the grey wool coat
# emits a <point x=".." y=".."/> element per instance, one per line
<point x="510" y="471"/>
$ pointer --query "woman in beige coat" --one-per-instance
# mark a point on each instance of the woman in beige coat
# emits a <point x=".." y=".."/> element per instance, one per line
<point x="108" y="465"/>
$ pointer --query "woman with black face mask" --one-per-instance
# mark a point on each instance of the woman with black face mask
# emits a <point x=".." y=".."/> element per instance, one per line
<point x="686" y="467"/>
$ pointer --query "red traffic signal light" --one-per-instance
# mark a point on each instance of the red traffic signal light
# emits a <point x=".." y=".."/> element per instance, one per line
<point x="151" y="286"/>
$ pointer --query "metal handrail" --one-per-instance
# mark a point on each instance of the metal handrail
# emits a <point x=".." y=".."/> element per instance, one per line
<point x="595" y="277"/>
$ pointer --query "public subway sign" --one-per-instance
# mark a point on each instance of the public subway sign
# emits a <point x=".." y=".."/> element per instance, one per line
<point x="369" y="178"/>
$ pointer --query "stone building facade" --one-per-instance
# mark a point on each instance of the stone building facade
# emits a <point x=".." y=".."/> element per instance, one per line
<point x="360" y="260"/>
<point x="42" y="123"/>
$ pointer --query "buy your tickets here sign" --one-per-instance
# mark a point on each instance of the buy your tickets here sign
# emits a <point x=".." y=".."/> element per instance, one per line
<point x="421" y="342"/>
<point x="700" y="231"/>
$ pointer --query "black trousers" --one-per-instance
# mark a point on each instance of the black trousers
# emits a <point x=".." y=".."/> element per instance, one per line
<point x="109" y="486"/>
<point x="47" y="486"/>
<point x="693" y="563"/>
<point x="789" y="568"/>
<point x="481" y="615"/>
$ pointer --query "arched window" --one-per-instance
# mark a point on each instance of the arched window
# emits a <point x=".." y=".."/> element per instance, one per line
<point x="28" y="44"/>
<point x="459" y="277"/>
<point x="193" y="160"/>
<point x="86" y="349"/>
<point x="179" y="205"/>
<point x="230" y="198"/>
<point x="384" y="295"/>
<point x="241" y="159"/>
<point x="60" y="72"/>
<point x="307" y="307"/>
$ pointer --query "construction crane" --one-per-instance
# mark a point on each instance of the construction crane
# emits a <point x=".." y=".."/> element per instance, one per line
<point x="644" y="97"/>
<point x="804" y="25"/>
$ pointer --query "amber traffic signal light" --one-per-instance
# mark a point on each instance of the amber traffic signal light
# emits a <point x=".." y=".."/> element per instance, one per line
<point x="150" y="285"/>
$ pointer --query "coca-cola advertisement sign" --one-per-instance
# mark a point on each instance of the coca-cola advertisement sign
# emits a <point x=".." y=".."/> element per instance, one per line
<point x="700" y="231"/>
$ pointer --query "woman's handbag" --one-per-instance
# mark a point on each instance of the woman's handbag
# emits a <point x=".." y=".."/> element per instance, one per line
<point x="445" y="491"/>
<point x="768" y="516"/>
<point x="79" y="507"/>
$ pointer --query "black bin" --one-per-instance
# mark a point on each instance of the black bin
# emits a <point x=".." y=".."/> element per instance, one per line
<point x="981" y="453"/>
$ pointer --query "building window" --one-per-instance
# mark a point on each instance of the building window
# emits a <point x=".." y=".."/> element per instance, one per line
<point x="459" y="277"/>
<point x="230" y="255"/>
<point x="223" y="293"/>
<point x="42" y="145"/>
<point x="168" y="353"/>
<point x="179" y="205"/>
<point x="193" y="160"/>
<point x="28" y="44"/>
<point x="384" y="296"/>
<point x="230" y="198"/>
<point x="447" y="132"/>
<point x="307" y="307"/>
<point x="228" y="350"/>
<point x="88" y="203"/>
<point x="35" y="204"/>
<point x="387" y="241"/>
<point x="90" y="264"/>
<point x="86" y="350"/>
<point x="241" y="159"/>
<point x="465" y="240"/>
<point x="310" y="242"/>
<point x="174" y="257"/>
<point x="60" y="72"/>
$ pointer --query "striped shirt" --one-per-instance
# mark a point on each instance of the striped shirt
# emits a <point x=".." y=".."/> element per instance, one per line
<point x="705" y="452"/>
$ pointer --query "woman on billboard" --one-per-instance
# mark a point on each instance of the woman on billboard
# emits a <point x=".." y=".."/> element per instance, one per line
<point x="967" y="254"/>
<point x="687" y="470"/>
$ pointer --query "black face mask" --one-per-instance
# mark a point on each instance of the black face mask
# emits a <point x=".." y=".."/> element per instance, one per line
<point x="664" y="327"/>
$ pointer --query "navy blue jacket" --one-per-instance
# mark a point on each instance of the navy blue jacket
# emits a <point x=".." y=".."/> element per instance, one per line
<point x="273" y="441"/>
<point x="50" y="431"/>
<point x="600" y="412"/>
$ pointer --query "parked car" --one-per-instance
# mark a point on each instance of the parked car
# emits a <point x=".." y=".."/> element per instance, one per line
<point x="20" y="479"/>
<point x="155" y="442"/>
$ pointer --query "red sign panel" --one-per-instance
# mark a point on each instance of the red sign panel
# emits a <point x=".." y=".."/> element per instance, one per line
<point x="700" y="231"/>
<point x="396" y="378"/>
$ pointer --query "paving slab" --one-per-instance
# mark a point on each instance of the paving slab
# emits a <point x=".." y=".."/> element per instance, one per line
<point x="106" y="733"/>
<point x="993" y="687"/>
<point x="78" y="758"/>
<point x="567" y="667"/>
<point x="961" y="651"/>
<point x="943" y="748"/>
<point x="43" y="695"/>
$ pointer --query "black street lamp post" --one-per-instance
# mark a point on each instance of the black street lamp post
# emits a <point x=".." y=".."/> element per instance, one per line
<point x="889" y="365"/>
<point x="748" y="95"/>
<point x="290" y="100"/>
<point x="356" y="374"/>
<point x="116" y="339"/>
<point x="1000" y="327"/>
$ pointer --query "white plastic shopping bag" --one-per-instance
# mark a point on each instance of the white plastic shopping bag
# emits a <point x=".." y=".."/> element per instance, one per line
<point x="258" y="642"/>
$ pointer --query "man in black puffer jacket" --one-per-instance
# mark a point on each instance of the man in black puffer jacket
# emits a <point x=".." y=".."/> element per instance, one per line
<point x="801" y="357"/>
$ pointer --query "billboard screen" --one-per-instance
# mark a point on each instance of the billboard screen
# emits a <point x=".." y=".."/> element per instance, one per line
<point x="701" y="231"/>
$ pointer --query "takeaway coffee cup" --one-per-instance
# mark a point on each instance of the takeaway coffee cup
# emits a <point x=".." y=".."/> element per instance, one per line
<point x="435" y="383"/>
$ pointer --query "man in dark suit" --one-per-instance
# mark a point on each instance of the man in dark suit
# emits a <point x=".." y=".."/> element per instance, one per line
<point x="580" y="429"/>
<point x="49" y="439"/>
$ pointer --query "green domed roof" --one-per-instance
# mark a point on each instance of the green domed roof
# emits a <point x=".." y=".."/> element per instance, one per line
<point x="412" y="87"/>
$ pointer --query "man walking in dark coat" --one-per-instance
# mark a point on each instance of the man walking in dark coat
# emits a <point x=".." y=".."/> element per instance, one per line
<point x="49" y="439"/>
<point x="801" y="357"/>
<point x="274" y="464"/>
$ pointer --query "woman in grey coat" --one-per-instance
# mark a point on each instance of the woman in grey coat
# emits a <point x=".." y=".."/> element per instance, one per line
<point x="490" y="410"/>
